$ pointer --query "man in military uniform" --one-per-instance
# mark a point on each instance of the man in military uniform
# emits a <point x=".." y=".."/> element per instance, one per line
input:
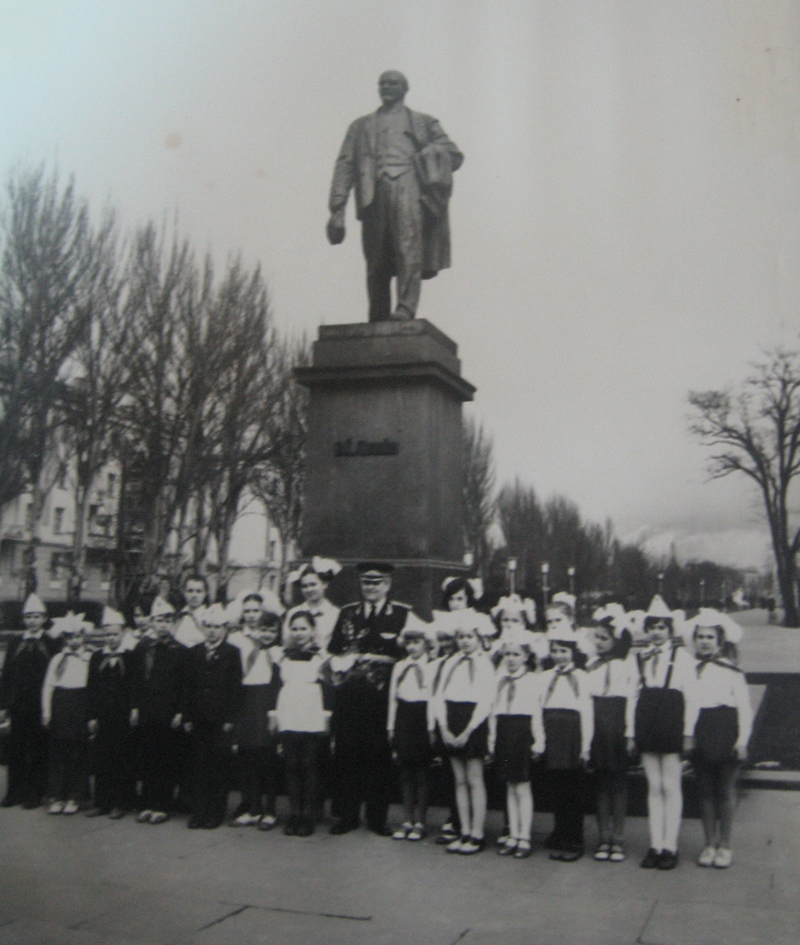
<point x="364" y="648"/>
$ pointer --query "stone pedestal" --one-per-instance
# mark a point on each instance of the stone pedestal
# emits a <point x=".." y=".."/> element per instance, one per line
<point x="384" y="454"/>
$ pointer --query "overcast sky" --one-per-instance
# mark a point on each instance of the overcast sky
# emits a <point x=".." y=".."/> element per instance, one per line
<point x="626" y="224"/>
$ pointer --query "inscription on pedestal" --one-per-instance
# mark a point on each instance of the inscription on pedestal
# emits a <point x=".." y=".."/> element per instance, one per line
<point x="366" y="448"/>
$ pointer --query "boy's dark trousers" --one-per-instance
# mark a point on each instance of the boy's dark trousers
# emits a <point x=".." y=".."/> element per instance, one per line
<point x="113" y="772"/>
<point x="210" y="792"/>
<point x="156" y="740"/>
<point x="27" y="759"/>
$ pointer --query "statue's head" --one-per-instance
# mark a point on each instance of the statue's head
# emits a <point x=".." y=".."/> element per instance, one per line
<point x="392" y="87"/>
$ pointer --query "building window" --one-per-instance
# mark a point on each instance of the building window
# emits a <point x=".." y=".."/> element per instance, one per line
<point x="273" y="547"/>
<point x="62" y="478"/>
<point x="112" y="483"/>
<point x="58" y="522"/>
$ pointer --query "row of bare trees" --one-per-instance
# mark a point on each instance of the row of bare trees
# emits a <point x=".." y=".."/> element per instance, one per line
<point x="131" y="350"/>
<point x="577" y="555"/>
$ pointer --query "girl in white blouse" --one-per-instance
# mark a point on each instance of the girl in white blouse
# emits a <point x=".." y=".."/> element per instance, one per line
<point x="461" y="710"/>
<point x="568" y="723"/>
<point x="407" y="728"/>
<point x="612" y="684"/>
<point x="664" y="721"/>
<point x="515" y="732"/>
<point x="724" y="725"/>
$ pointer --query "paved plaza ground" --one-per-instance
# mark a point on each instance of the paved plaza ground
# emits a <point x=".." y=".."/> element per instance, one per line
<point x="75" y="881"/>
<point x="78" y="881"/>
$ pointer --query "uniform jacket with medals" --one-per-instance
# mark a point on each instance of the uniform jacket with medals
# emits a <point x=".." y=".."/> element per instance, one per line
<point x="356" y="633"/>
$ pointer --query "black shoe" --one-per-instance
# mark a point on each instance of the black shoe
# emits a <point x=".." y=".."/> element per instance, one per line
<point x="667" y="860"/>
<point x="306" y="827"/>
<point x="292" y="826"/>
<point x="557" y="855"/>
<point x="343" y="826"/>
<point x="194" y="823"/>
<point x="570" y="856"/>
<point x="212" y="824"/>
<point x="31" y="804"/>
<point x="554" y="842"/>
<point x="9" y="801"/>
<point x="651" y="859"/>
<point x="383" y="830"/>
<point x="96" y="812"/>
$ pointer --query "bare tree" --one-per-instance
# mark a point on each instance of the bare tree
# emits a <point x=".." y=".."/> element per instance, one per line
<point x="244" y="399"/>
<point x="95" y="389"/>
<point x="479" y="499"/>
<point x="161" y="414"/>
<point x="280" y="481"/>
<point x="48" y="289"/>
<point x="755" y="430"/>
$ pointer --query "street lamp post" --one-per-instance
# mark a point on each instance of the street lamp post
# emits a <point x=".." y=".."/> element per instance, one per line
<point x="661" y="583"/>
<point x="702" y="592"/>
<point x="545" y="573"/>
<point x="571" y="576"/>
<point x="511" y="566"/>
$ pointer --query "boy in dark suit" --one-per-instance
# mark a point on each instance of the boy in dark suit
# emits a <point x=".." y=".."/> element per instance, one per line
<point x="212" y="701"/>
<point x="24" y="670"/>
<point x="109" y="690"/>
<point x="157" y="671"/>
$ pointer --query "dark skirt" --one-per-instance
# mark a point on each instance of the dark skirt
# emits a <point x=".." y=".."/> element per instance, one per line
<point x="658" y="725"/>
<point x="69" y="714"/>
<point x="253" y="729"/>
<point x="512" y="748"/>
<point x="716" y="734"/>
<point x="562" y="729"/>
<point x="458" y="718"/>
<point x="411" y="734"/>
<point x="609" y="746"/>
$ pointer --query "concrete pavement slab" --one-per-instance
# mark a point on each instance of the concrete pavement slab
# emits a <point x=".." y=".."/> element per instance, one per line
<point x="31" y="932"/>
<point x="681" y="923"/>
<point x="171" y="886"/>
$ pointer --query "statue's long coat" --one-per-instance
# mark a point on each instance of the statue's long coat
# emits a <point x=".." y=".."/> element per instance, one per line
<point x="438" y="158"/>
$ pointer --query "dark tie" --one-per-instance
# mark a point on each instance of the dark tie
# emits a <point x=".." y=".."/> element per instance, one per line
<point x="510" y="683"/>
<point x="463" y="659"/>
<point x="111" y="661"/>
<point x="417" y="671"/>
<point x="252" y="656"/>
<point x="61" y="667"/>
<point x="149" y="661"/>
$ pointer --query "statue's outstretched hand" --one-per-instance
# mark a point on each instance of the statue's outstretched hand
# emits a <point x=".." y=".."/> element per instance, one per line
<point x="335" y="229"/>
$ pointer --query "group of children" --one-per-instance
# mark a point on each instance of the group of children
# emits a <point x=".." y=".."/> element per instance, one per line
<point x="166" y="703"/>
